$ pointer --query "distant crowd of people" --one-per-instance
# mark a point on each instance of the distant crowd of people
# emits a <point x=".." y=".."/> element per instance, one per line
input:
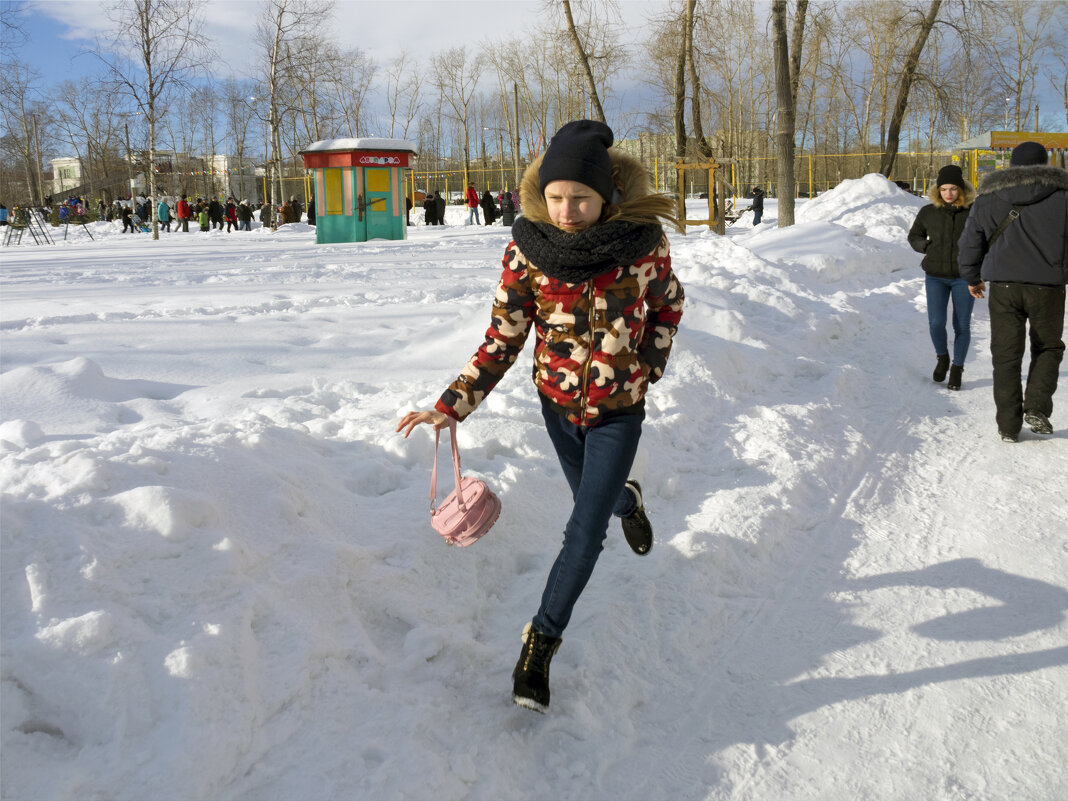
<point x="505" y="206"/>
<point x="135" y="213"/>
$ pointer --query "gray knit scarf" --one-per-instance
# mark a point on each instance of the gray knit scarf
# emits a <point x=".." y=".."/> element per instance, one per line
<point x="576" y="258"/>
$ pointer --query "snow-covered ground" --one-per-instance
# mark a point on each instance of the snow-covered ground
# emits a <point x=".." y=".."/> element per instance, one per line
<point x="219" y="580"/>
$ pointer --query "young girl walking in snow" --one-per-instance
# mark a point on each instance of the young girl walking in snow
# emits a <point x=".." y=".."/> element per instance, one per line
<point x="934" y="233"/>
<point x="590" y="270"/>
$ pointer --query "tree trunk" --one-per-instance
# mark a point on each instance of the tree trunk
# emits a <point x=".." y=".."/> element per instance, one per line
<point x="785" y="92"/>
<point x="680" y="120"/>
<point x="695" y="85"/>
<point x="912" y="62"/>
<point x="585" y="61"/>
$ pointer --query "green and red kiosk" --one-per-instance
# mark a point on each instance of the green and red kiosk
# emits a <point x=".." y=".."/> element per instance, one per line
<point x="359" y="188"/>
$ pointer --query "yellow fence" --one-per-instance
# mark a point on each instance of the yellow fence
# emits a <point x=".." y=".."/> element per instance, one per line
<point x="814" y="173"/>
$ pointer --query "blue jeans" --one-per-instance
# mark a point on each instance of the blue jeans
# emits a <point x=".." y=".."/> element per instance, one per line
<point x="472" y="211"/>
<point x="596" y="462"/>
<point x="757" y="214"/>
<point x="939" y="291"/>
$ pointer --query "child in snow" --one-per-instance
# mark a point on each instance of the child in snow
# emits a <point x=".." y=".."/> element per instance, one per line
<point x="590" y="270"/>
<point x="934" y="233"/>
<point x="203" y="217"/>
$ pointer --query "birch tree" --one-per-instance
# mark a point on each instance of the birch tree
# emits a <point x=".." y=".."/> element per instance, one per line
<point x="282" y="24"/>
<point x="159" y="46"/>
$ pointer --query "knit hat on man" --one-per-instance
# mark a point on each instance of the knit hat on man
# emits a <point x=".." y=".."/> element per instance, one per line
<point x="579" y="152"/>
<point x="950" y="174"/>
<point x="1028" y="153"/>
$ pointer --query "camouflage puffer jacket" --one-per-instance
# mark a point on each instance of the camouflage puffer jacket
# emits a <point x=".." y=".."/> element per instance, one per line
<point x="604" y="306"/>
<point x="599" y="343"/>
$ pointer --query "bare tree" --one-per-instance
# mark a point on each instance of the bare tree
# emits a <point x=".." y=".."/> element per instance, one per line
<point x="238" y="119"/>
<point x="91" y="124"/>
<point x="580" y="53"/>
<point x="908" y="75"/>
<point x="353" y="87"/>
<point x="402" y="94"/>
<point x="22" y="110"/>
<point x="1018" y="34"/>
<point x="160" y="45"/>
<point x="455" y="77"/>
<point x="679" y="116"/>
<point x="280" y="29"/>
<point x="703" y="148"/>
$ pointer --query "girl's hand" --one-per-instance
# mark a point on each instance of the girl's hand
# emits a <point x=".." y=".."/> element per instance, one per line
<point x="413" y="419"/>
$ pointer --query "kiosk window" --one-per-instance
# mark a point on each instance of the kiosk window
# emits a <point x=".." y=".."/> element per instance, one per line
<point x="332" y="190"/>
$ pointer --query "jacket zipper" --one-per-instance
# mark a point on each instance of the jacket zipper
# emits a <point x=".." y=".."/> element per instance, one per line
<point x="584" y="399"/>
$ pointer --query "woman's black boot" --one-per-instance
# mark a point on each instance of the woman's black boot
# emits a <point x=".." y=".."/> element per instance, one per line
<point x="941" y="367"/>
<point x="530" y="678"/>
<point x="954" y="376"/>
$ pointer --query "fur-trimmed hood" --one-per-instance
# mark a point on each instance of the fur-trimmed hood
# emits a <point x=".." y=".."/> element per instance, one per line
<point x="967" y="196"/>
<point x="640" y="204"/>
<point x="1025" y="185"/>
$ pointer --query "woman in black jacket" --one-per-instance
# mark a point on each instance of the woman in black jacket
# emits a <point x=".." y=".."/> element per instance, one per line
<point x="934" y="233"/>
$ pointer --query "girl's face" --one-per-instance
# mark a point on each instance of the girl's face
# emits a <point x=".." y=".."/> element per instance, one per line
<point x="949" y="193"/>
<point x="572" y="206"/>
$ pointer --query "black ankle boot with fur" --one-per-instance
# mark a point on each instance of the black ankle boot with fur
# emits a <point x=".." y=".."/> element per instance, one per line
<point x="530" y="678"/>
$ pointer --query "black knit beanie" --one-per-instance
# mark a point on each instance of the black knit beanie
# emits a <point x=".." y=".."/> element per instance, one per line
<point x="579" y="152"/>
<point x="1028" y="153"/>
<point x="950" y="174"/>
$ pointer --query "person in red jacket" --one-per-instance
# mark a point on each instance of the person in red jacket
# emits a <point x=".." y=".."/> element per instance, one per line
<point x="589" y="270"/>
<point x="472" y="204"/>
<point x="184" y="213"/>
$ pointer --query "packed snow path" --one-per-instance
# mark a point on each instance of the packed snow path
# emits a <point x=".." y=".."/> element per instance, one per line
<point x="219" y="580"/>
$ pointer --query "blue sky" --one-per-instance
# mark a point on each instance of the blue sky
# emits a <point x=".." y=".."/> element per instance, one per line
<point x="60" y="29"/>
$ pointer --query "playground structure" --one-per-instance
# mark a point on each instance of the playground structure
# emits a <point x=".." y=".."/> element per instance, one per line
<point x="27" y="220"/>
<point x="718" y="216"/>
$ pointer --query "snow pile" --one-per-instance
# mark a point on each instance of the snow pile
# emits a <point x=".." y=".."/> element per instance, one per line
<point x="219" y="580"/>
<point x="876" y="216"/>
<point x="872" y="205"/>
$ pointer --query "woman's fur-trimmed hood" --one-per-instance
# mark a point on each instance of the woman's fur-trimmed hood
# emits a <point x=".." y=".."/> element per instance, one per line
<point x="1041" y="177"/>
<point x="639" y="205"/>
<point x="967" y="196"/>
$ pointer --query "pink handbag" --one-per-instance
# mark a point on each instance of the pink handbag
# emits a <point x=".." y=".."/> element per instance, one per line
<point x="470" y="510"/>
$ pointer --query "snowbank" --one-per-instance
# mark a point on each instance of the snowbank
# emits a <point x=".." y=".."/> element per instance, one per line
<point x="219" y="581"/>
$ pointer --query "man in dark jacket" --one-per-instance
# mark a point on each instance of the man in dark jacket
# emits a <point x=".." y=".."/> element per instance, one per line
<point x="758" y="204"/>
<point x="430" y="210"/>
<point x="1015" y="239"/>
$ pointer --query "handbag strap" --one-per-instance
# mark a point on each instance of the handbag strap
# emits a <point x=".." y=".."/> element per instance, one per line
<point x="455" y="467"/>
